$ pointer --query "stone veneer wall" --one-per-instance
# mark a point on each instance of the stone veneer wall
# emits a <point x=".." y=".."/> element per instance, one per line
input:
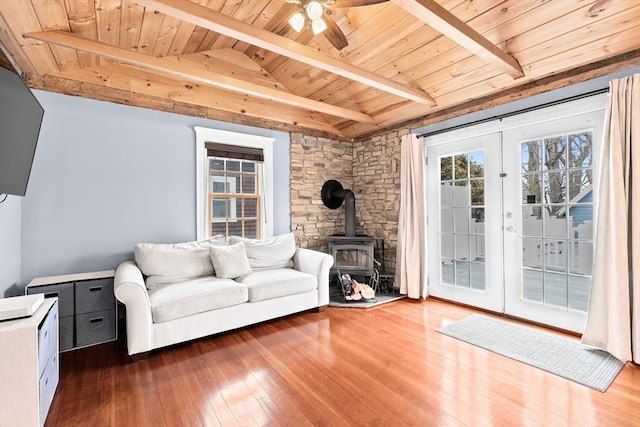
<point x="370" y="168"/>
<point x="376" y="172"/>
<point x="313" y="161"/>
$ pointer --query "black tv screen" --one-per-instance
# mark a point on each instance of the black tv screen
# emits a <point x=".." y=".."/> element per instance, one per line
<point x="20" y="119"/>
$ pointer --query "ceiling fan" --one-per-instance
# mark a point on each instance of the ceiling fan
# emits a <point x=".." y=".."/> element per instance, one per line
<point x="317" y="15"/>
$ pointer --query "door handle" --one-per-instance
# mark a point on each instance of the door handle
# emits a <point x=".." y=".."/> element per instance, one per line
<point x="511" y="229"/>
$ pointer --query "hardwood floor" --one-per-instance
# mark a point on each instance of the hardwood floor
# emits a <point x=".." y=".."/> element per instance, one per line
<point x="385" y="366"/>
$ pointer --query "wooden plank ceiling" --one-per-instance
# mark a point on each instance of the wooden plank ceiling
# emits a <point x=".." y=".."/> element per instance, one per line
<point x="406" y="62"/>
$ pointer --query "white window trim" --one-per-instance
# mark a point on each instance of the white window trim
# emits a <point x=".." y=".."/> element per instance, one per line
<point x="204" y="135"/>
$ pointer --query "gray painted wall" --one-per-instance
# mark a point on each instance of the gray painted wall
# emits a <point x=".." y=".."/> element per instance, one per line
<point x="107" y="176"/>
<point x="10" y="278"/>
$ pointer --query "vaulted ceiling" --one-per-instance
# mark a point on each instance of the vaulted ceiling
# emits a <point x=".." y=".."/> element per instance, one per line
<point x="406" y="62"/>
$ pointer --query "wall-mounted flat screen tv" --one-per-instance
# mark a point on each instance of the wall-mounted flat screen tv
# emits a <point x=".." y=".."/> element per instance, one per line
<point x="20" y="119"/>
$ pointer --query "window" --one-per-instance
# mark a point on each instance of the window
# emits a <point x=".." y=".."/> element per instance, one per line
<point x="234" y="197"/>
<point x="234" y="184"/>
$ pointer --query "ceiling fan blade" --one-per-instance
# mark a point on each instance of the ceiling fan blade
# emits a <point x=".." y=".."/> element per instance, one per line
<point x="356" y="3"/>
<point x="334" y="34"/>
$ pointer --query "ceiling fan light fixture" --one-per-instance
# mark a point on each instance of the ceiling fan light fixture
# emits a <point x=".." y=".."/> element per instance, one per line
<point x="297" y="21"/>
<point x="318" y="26"/>
<point x="314" y="10"/>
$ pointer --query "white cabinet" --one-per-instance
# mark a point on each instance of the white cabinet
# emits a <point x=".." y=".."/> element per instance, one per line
<point x="29" y="370"/>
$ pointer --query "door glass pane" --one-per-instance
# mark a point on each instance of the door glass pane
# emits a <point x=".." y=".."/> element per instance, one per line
<point x="555" y="289"/>
<point x="555" y="155"/>
<point x="531" y="253"/>
<point x="446" y="169"/>
<point x="461" y="218"/>
<point x="446" y="220"/>
<point x="476" y="164"/>
<point x="532" y="285"/>
<point x="462" y="274"/>
<point x="462" y="246"/>
<point x="531" y="156"/>
<point x="531" y="221"/>
<point x="461" y="193"/>
<point x="477" y="192"/>
<point x="446" y="194"/>
<point x="556" y="270"/>
<point x="462" y="227"/>
<point x="579" y="292"/>
<point x="446" y="246"/>
<point x="531" y="188"/>
<point x="447" y="272"/>
<point x="477" y="276"/>
<point x="462" y="166"/>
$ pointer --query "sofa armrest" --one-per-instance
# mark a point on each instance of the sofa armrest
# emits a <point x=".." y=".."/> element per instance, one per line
<point x="318" y="264"/>
<point x="129" y="288"/>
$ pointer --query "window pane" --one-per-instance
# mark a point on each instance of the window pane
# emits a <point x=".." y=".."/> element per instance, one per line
<point x="532" y="285"/>
<point x="555" y="289"/>
<point x="447" y="272"/>
<point x="462" y="273"/>
<point x="579" y="292"/>
<point x="250" y="208"/>
<point x="477" y="275"/>
<point x="248" y="167"/>
<point x="216" y="164"/>
<point x="251" y="228"/>
<point x="233" y="165"/>
<point x="249" y="184"/>
<point x="446" y="224"/>
<point x="461" y="220"/>
<point x="219" y="208"/>
<point x="580" y="186"/>
<point x="446" y="245"/>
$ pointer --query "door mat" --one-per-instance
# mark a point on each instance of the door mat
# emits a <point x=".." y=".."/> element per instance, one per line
<point x="571" y="360"/>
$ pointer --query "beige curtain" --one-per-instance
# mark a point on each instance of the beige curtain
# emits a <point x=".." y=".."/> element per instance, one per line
<point x="411" y="257"/>
<point x="613" y="323"/>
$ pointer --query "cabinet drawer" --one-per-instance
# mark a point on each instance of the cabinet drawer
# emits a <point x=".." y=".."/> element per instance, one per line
<point x="67" y="328"/>
<point x="94" y="295"/>
<point x="47" y="331"/>
<point x="48" y="384"/>
<point x="64" y="292"/>
<point x="92" y="328"/>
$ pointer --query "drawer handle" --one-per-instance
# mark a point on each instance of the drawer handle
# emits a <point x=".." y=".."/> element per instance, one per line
<point x="96" y="320"/>
<point x="95" y="288"/>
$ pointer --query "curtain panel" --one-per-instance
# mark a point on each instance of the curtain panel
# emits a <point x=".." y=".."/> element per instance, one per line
<point x="613" y="322"/>
<point x="411" y="256"/>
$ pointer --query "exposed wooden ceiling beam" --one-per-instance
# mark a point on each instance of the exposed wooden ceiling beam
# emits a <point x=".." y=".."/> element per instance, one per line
<point x="223" y="24"/>
<point x="446" y="23"/>
<point x="186" y="71"/>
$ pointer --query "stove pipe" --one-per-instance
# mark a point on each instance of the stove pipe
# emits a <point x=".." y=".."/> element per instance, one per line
<point x="333" y="195"/>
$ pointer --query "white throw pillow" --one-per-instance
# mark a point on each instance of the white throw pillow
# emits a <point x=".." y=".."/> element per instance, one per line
<point x="230" y="262"/>
<point x="274" y="252"/>
<point x="166" y="263"/>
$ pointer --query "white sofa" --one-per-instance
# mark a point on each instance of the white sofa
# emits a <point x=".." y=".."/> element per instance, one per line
<point x="173" y="293"/>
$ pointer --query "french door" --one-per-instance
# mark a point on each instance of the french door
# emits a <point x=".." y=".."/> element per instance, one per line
<point x="510" y="216"/>
<point x="464" y="225"/>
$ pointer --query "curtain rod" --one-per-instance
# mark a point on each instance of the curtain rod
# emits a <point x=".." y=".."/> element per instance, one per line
<point x="513" y="113"/>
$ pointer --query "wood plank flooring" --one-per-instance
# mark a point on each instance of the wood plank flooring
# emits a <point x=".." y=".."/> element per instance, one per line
<point x="385" y="366"/>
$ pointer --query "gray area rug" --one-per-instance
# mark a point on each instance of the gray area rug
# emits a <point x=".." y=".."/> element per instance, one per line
<point x="585" y="365"/>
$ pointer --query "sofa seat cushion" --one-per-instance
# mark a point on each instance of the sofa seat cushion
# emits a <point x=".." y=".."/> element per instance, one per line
<point x="193" y="296"/>
<point x="277" y="282"/>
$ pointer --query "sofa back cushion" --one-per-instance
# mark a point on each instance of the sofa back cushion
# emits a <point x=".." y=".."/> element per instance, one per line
<point x="166" y="263"/>
<point x="274" y="252"/>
